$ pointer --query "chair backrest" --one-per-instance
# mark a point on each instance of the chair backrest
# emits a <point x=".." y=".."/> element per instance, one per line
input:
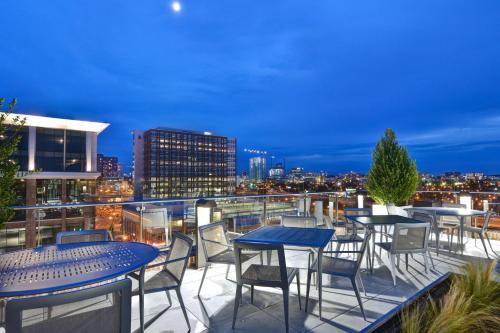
<point x="178" y="256"/>
<point x="410" y="237"/>
<point x="395" y="210"/>
<point x="486" y="221"/>
<point x="299" y="221"/>
<point x="213" y="239"/>
<point x="357" y="212"/>
<point x="361" y="251"/>
<point x="429" y="217"/>
<point x="453" y="205"/>
<point x="261" y="276"/>
<point x="83" y="236"/>
<point x="79" y="311"/>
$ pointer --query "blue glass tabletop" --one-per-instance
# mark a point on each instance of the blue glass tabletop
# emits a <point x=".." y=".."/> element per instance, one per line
<point x="52" y="268"/>
<point x="382" y="220"/>
<point x="307" y="237"/>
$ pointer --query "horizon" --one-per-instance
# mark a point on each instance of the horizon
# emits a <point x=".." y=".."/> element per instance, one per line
<point x="315" y="85"/>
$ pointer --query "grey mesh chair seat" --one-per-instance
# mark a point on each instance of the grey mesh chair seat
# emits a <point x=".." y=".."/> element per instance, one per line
<point x="229" y="258"/>
<point x="159" y="282"/>
<point x="336" y="266"/>
<point x="263" y="274"/>
<point x="472" y="229"/>
<point x="384" y="245"/>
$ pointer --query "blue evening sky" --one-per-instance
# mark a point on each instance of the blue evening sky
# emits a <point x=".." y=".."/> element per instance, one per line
<point x="312" y="82"/>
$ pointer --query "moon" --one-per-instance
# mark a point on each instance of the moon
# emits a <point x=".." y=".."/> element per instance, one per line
<point x="176" y="6"/>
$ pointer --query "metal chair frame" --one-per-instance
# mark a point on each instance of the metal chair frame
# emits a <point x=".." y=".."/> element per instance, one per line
<point x="393" y="247"/>
<point x="143" y="291"/>
<point x="351" y="275"/>
<point x="227" y="244"/>
<point x="285" y="278"/>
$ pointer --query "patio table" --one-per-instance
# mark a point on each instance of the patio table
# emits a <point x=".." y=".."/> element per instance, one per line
<point x="370" y="222"/>
<point x="53" y="268"/>
<point x="459" y="213"/>
<point x="301" y="237"/>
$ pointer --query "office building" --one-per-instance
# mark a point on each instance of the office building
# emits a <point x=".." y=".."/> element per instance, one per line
<point x="257" y="169"/>
<point x="173" y="163"/>
<point x="57" y="164"/>
<point x="108" y="167"/>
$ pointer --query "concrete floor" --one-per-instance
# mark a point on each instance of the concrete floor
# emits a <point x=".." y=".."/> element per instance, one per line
<point x="213" y="310"/>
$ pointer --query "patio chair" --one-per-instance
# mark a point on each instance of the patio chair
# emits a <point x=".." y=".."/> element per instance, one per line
<point x="437" y="227"/>
<point x="451" y="219"/>
<point x="482" y="232"/>
<point x="408" y="238"/>
<point x="83" y="236"/>
<point x="352" y="230"/>
<point x="105" y="308"/>
<point x="264" y="275"/>
<point x="299" y="221"/>
<point x="168" y="278"/>
<point x="216" y="243"/>
<point x="343" y="267"/>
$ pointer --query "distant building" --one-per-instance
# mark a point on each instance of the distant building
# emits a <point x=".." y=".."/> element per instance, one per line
<point x="57" y="164"/>
<point x="257" y="169"/>
<point x="296" y="175"/>
<point x="173" y="163"/>
<point x="277" y="171"/>
<point x="474" y="176"/>
<point x="108" y="167"/>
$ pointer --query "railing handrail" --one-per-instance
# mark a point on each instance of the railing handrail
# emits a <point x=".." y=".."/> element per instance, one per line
<point x="156" y="201"/>
<point x="255" y="196"/>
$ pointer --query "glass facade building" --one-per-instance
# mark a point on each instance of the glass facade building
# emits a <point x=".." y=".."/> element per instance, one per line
<point x="57" y="164"/>
<point x="178" y="163"/>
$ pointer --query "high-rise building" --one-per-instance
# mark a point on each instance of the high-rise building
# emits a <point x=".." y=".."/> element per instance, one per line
<point x="277" y="171"/>
<point x="108" y="166"/>
<point x="172" y="163"/>
<point x="257" y="169"/>
<point x="57" y="164"/>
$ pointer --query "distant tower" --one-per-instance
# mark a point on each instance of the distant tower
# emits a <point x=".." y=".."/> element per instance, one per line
<point x="257" y="169"/>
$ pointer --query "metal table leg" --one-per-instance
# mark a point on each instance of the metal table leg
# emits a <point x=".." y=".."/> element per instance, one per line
<point x="373" y="251"/>
<point x="320" y="274"/>
<point x="462" y="221"/>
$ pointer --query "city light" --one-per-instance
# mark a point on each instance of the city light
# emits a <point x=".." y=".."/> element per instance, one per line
<point x="176" y="6"/>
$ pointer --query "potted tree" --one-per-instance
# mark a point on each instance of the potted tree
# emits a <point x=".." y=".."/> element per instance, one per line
<point x="393" y="175"/>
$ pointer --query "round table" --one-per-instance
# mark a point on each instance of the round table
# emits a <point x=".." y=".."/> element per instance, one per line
<point x="53" y="268"/>
<point x="459" y="213"/>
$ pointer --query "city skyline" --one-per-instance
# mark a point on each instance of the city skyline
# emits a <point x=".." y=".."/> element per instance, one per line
<point x="315" y="85"/>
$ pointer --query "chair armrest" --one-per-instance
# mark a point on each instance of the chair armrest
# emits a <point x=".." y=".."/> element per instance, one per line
<point x="218" y="243"/>
<point x="232" y="235"/>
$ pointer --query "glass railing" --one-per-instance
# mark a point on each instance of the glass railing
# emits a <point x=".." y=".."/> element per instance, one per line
<point x="154" y="221"/>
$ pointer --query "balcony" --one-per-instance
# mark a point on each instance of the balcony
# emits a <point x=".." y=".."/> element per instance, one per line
<point x="154" y="223"/>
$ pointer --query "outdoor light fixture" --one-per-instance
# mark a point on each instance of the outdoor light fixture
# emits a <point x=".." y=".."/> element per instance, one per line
<point x="360" y="200"/>
<point x="204" y="215"/>
<point x="466" y="200"/>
